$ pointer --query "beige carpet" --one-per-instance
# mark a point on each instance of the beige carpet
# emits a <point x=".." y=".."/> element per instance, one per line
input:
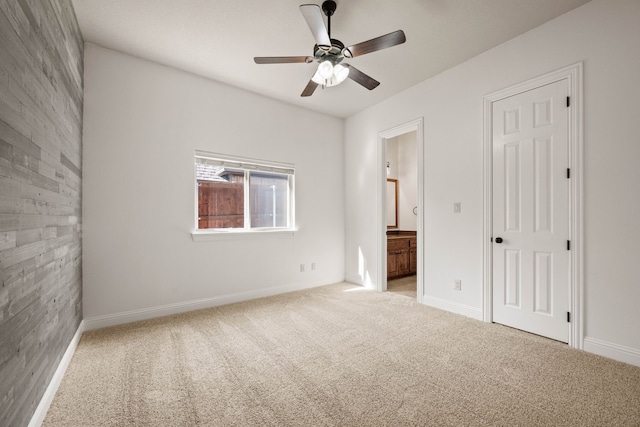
<point x="337" y="355"/>
<point x="406" y="286"/>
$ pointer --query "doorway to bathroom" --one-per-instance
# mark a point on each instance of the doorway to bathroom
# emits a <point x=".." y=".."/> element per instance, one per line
<point x="400" y="240"/>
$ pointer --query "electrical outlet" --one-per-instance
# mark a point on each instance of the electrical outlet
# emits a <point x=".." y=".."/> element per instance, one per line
<point x="457" y="284"/>
<point x="313" y="266"/>
<point x="457" y="207"/>
<point x="301" y="268"/>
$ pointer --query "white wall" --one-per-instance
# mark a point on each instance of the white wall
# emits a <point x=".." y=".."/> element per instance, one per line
<point x="142" y="125"/>
<point x="604" y="34"/>
<point x="401" y="152"/>
<point x="407" y="181"/>
<point x="391" y="150"/>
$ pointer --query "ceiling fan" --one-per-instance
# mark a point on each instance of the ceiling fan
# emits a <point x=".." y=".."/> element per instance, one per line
<point x="329" y="53"/>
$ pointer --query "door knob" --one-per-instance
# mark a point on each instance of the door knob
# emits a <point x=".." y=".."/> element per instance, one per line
<point x="498" y="239"/>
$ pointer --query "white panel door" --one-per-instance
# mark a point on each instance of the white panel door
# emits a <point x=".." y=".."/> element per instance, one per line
<point x="531" y="211"/>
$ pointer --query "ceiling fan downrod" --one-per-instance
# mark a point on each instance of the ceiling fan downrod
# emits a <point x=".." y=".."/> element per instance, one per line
<point x="329" y="8"/>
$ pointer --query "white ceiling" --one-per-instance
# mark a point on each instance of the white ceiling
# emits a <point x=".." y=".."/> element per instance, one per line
<point x="218" y="39"/>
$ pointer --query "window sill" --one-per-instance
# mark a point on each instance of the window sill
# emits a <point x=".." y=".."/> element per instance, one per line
<point x="210" y="236"/>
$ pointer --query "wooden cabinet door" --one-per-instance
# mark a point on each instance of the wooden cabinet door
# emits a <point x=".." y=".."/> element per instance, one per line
<point x="394" y="258"/>
<point x="401" y="257"/>
<point x="392" y="264"/>
<point x="413" y="255"/>
<point x="403" y="262"/>
<point x="413" y="261"/>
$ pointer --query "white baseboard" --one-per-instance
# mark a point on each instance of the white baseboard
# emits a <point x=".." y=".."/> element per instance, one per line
<point x="617" y="352"/>
<point x="41" y="411"/>
<point x="354" y="279"/>
<point x="107" y="320"/>
<point x="454" y="307"/>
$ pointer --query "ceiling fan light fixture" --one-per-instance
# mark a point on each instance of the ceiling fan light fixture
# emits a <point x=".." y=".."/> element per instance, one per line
<point x="329" y="75"/>
<point x="341" y="72"/>
<point x="325" y="70"/>
<point x="329" y="52"/>
<point x="317" y="78"/>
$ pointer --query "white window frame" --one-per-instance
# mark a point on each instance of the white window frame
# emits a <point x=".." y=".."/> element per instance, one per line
<point x="247" y="165"/>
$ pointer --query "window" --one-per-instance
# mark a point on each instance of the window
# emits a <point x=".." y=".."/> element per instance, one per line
<point x="235" y="194"/>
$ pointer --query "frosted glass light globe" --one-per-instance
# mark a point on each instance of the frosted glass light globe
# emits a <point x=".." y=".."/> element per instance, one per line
<point x="329" y="75"/>
<point x="316" y="78"/>
<point x="325" y="69"/>
<point x="341" y="72"/>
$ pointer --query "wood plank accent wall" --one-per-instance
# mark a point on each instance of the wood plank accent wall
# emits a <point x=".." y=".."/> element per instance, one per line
<point x="41" y="91"/>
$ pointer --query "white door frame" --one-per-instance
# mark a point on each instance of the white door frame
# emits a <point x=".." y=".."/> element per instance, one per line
<point x="573" y="75"/>
<point x="417" y="126"/>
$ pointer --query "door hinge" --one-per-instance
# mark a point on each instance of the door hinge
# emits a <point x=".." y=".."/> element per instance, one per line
<point x="568" y="245"/>
<point x="568" y="173"/>
<point x="568" y="101"/>
<point x="568" y="317"/>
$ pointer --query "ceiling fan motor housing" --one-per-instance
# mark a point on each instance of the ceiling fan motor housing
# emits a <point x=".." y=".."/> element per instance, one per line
<point x="329" y="7"/>
<point x="333" y="54"/>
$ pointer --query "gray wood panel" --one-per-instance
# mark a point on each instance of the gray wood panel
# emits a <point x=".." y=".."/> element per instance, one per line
<point x="41" y="68"/>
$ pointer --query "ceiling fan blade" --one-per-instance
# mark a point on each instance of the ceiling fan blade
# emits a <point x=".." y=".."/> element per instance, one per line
<point x="379" y="43"/>
<point x="361" y="78"/>
<point x="282" y="59"/>
<point x="311" y="87"/>
<point x="313" y="15"/>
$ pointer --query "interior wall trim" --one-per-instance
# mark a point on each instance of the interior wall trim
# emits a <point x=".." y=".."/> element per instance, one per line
<point x="573" y="74"/>
<point x="41" y="411"/>
<point x="416" y="126"/>
<point x="453" y="307"/>
<point x="613" y="351"/>
<point x="356" y="280"/>
<point x="129" y="316"/>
